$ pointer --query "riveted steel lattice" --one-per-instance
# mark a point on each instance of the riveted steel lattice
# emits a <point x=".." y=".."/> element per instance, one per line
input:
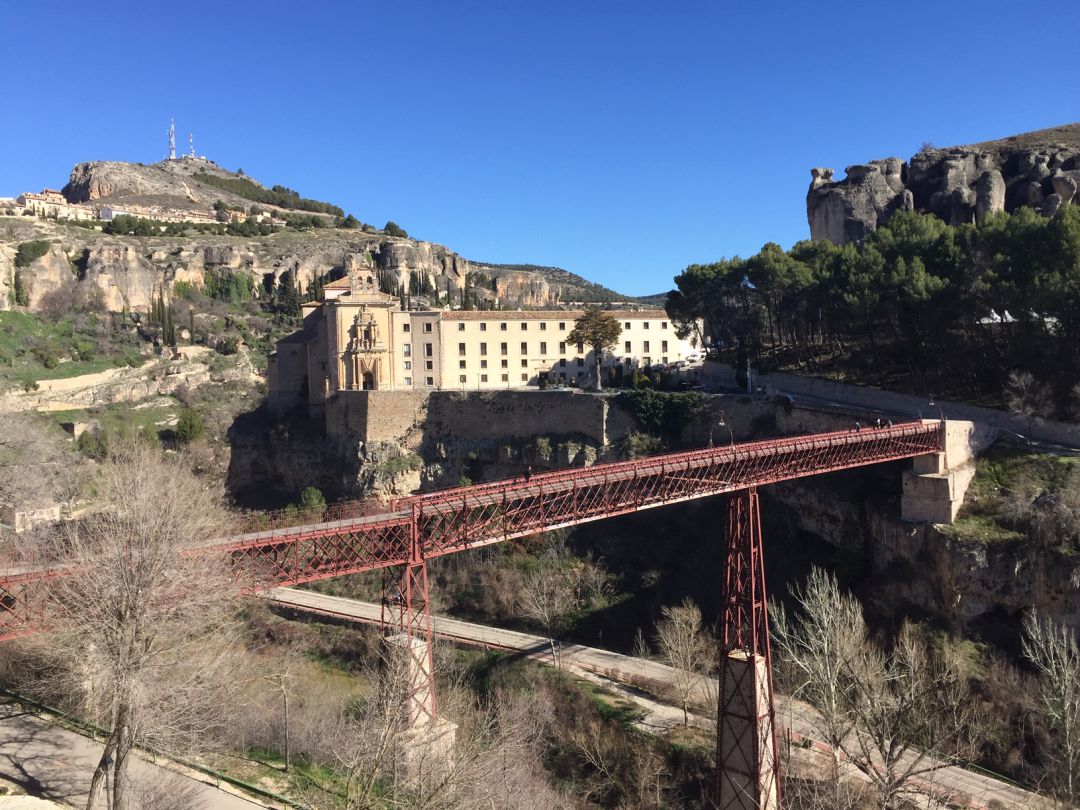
<point x="747" y="773"/>
<point x="288" y="548"/>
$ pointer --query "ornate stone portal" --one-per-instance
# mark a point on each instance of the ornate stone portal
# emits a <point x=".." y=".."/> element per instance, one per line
<point x="363" y="352"/>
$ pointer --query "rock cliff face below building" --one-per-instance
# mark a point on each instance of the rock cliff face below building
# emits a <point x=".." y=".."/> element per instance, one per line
<point x="127" y="270"/>
<point x="959" y="184"/>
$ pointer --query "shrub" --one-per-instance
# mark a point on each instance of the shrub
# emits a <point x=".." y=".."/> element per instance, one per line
<point x="312" y="498"/>
<point x="391" y="228"/>
<point x="189" y="427"/>
<point x="29" y="252"/>
<point x="185" y="290"/>
<point x="92" y="444"/>
<point x="21" y="290"/>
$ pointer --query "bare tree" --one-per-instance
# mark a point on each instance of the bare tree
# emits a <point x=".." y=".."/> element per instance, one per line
<point x="494" y="760"/>
<point x="816" y="651"/>
<point x="1052" y="648"/>
<point x="142" y="629"/>
<point x="1028" y="398"/>
<point x="36" y="468"/>
<point x="914" y="714"/>
<point x="283" y="678"/>
<point x="549" y="595"/>
<point x="687" y="648"/>
<point x="898" y="715"/>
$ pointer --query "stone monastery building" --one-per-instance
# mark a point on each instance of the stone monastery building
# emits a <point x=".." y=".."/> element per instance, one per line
<point x="359" y="339"/>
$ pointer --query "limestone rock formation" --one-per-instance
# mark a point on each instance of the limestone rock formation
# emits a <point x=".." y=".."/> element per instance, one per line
<point x="959" y="184"/>
<point x="127" y="271"/>
<point x="847" y="210"/>
<point x="168" y="184"/>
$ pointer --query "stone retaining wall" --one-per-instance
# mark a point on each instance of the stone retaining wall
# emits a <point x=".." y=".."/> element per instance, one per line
<point x="721" y="375"/>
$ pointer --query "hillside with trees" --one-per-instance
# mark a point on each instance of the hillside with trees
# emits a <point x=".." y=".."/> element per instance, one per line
<point x="984" y="313"/>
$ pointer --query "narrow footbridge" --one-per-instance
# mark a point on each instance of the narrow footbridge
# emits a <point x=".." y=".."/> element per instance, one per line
<point x="297" y="547"/>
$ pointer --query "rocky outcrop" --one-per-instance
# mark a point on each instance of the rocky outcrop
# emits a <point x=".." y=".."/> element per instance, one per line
<point x="959" y="184"/>
<point x="848" y="210"/>
<point x="127" y="271"/>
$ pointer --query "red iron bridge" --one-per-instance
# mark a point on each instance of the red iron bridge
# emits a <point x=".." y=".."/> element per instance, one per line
<point x="292" y="548"/>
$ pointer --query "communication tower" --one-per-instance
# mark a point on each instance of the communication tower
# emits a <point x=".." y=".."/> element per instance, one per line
<point x="191" y="144"/>
<point x="172" y="139"/>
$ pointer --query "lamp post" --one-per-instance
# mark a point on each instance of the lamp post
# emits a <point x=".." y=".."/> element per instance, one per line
<point x="723" y="424"/>
<point x="933" y="404"/>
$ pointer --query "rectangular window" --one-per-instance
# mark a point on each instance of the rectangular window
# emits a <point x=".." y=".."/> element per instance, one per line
<point x="626" y="325"/>
<point x="461" y="349"/>
<point x="427" y="326"/>
<point x="543" y="326"/>
<point x="502" y="326"/>
<point x="408" y="365"/>
<point x="663" y="359"/>
<point x="429" y="350"/>
<point x="408" y="380"/>
<point x="562" y="362"/>
<point x="483" y="364"/>
<point x="627" y="349"/>
<point x="524" y="377"/>
<point x="461" y="364"/>
<point x="645" y="346"/>
<point x="506" y="378"/>
<point x="406" y="349"/>
<point x="505" y="364"/>
<point x="429" y="365"/>
<point x="663" y="324"/>
<point x="663" y="345"/>
<point x="483" y="378"/>
<point x="461" y="326"/>
<point x="562" y="376"/>
<point x="461" y="378"/>
<point x="645" y="325"/>
<point x="524" y="348"/>
<point x="431" y="382"/>
<point x="524" y="325"/>
<point x="483" y="326"/>
<point x="562" y="347"/>
<point x="562" y="326"/>
<point x="580" y="362"/>
<point x="502" y="348"/>
<point x="581" y="348"/>
<point x="524" y="363"/>
<point x="483" y="348"/>
<point x="405" y="327"/>
<point x="543" y="347"/>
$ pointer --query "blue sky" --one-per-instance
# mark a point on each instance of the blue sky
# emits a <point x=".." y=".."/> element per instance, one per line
<point x="620" y="140"/>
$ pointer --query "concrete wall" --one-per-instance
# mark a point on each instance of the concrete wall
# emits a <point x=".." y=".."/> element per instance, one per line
<point x="721" y="375"/>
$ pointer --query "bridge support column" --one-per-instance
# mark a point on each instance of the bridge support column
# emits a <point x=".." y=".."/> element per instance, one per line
<point x="747" y="760"/>
<point x="406" y="618"/>
<point x="426" y="744"/>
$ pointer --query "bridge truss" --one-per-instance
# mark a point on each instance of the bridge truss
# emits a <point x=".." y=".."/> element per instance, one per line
<point x="356" y="537"/>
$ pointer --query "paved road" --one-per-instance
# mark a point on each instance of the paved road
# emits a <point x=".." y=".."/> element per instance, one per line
<point x="53" y="763"/>
<point x="592" y="662"/>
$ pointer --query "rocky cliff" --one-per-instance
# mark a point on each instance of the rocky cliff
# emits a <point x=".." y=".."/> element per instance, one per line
<point x="127" y="270"/>
<point x="959" y="184"/>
